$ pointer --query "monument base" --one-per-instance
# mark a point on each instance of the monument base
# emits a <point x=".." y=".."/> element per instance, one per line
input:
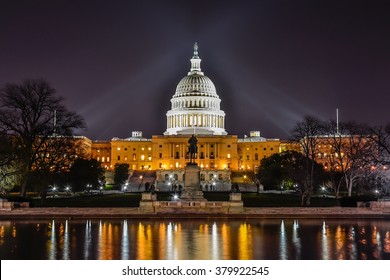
<point x="192" y="190"/>
<point x="147" y="203"/>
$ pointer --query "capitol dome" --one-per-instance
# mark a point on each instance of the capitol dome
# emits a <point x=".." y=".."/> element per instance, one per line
<point x="195" y="104"/>
<point x="196" y="85"/>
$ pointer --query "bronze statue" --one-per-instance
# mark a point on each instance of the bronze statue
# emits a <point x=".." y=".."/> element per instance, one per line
<point x="192" y="148"/>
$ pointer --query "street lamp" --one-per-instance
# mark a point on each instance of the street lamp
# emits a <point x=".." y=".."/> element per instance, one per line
<point x="323" y="191"/>
<point x="377" y="194"/>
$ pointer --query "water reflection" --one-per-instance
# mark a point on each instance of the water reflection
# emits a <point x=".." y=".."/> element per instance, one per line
<point x="252" y="239"/>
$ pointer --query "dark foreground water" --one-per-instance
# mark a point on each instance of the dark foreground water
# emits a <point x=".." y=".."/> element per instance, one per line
<point x="197" y="239"/>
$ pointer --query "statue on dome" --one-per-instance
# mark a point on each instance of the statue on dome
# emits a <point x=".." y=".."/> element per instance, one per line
<point x="192" y="148"/>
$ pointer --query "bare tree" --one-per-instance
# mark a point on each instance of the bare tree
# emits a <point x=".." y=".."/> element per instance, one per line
<point x="34" y="116"/>
<point x="380" y="134"/>
<point x="307" y="133"/>
<point x="351" y="152"/>
<point x="9" y="171"/>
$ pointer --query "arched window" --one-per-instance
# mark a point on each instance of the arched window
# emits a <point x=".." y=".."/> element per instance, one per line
<point x="134" y="157"/>
<point x="256" y="156"/>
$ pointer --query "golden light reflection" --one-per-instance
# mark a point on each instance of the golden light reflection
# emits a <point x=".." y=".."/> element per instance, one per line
<point x="109" y="234"/>
<point x="14" y="231"/>
<point x="162" y="236"/>
<point x="225" y="240"/>
<point x="340" y="243"/>
<point x="2" y="234"/>
<point x="144" y="242"/>
<point x="2" y="231"/>
<point x="244" y="242"/>
<point x="386" y="241"/>
<point x="203" y="239"/>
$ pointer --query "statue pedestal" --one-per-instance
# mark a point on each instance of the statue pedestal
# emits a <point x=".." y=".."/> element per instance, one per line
<point x="146" y="204"/>
<point x="192" y="190"/>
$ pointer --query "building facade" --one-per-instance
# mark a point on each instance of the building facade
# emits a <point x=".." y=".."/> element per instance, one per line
<point x="195" y="109"/>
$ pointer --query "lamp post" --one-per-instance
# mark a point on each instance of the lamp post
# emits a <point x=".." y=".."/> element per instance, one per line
<point x="140" y="181"/>
<point x="323" y="191"/>
<point x="377" y="194"/>
<point x="88" y="188"/>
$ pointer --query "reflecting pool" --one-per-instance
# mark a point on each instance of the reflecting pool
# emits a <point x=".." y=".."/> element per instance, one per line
<point x="195" y="239"/>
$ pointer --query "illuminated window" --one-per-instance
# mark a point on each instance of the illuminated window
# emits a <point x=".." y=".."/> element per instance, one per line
<point x="102" y="159"/>
<point x="108" y="159"/>
<point x="125" y="158"/>
<point x="119" y="148"/>
<point x="134" y="157"/>
<point x="149" y="158"/>
<point x="98" y="159"/>
<point x="142" y="157"/>
<point x="143" y="148"/>
<point x="228" y="155"/>
<point x="98" y="151"/>
<point x="149" y="148"/>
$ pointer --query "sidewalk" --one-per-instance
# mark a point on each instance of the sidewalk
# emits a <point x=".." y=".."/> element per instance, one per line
<point x="249" y="213"/>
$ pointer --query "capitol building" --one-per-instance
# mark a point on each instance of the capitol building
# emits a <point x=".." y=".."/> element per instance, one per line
<point x="196" y="108"/>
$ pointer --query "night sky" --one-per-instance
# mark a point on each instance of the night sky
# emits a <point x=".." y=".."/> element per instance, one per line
<point x="117" y="63"/>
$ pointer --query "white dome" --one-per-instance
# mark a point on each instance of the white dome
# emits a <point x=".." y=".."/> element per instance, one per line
<point x="195" y="104"/>
<point x="195" y="85"/>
